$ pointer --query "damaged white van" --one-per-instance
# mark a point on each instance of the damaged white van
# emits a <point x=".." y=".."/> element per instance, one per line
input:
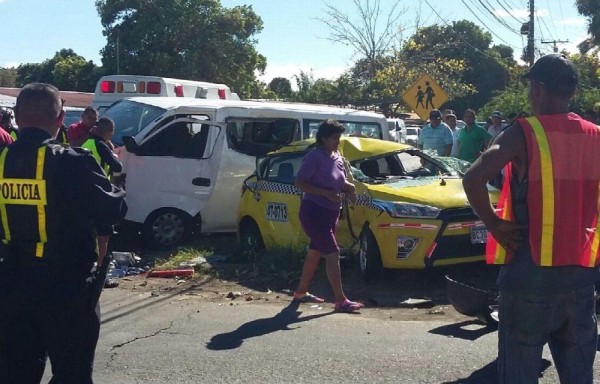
<point x="184" y="160"/>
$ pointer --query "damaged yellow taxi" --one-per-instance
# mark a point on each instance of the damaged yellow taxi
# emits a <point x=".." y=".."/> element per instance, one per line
<point x="411" y="213"/>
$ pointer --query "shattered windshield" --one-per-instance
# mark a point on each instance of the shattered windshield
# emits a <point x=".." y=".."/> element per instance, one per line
<point x="408" y="164"/>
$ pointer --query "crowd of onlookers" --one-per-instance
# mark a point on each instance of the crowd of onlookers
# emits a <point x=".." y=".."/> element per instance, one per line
<point x="443" y="135"/>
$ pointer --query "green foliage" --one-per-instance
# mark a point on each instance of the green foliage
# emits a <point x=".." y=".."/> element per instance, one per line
<point x="189" y="39"/>
<point x="281" y="87"/>
<point x="66" y="70"/>
<point x="591" y="10"/>
<point x="8" y="77"/>
<point x="513" y="99"/>
<point x="485" y="68"/>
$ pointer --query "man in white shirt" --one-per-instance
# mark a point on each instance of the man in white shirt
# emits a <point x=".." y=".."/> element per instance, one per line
<point x="497" y="125"/>
<point x="450" y="119"/>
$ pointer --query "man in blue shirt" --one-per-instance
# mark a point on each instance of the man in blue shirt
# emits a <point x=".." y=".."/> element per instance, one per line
<point x="436" y="135"/>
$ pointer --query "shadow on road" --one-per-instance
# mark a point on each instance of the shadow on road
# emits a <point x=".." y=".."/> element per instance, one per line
<point x="489" y="374"/>
<point x="280" y="322"/>
<point x="466" y="330"/>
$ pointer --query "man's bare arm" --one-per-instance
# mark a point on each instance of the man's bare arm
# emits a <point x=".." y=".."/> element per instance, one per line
<point x="509" y="146"/>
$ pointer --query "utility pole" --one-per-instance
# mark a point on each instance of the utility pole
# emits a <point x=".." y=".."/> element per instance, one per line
<point x="118" y="66"/>
<point x="530" y="40"/>
<point x="555" y="43"/>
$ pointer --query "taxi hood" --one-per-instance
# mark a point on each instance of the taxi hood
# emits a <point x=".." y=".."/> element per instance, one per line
<point x="433" y="191"/>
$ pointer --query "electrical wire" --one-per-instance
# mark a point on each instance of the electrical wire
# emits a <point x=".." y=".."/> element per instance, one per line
<point x="466" y="42"/>
<point x="506" y="7"/>
<point x="550" y="15"/>
<point x="489" y="9"/>
<point x="477" y="17"/>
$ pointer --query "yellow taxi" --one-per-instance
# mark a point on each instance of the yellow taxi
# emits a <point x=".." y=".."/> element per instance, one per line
<point x="411" y="213"/>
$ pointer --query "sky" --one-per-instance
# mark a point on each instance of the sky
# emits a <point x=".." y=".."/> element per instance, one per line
<point x="293" y="38"/>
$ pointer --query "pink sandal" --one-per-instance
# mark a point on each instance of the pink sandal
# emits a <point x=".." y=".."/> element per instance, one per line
<point x="348" y="306"/>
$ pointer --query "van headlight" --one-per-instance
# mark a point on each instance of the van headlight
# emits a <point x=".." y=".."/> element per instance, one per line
<point x="396" y="209"/>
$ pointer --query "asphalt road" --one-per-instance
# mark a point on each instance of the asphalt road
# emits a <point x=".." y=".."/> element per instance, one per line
<point x="180" y="339"/>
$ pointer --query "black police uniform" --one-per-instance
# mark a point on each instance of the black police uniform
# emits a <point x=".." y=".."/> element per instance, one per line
<point x="51" y="199"/>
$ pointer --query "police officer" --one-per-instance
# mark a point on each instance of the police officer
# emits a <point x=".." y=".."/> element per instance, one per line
<point x="51" y="199"/>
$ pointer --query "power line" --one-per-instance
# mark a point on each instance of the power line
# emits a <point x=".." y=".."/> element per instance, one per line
<point x="491" y="31"/>
<point x="460" y="37"/>
<point x="550" y="14"/>
<point x="489" y="9"/>
<point x="506" y="7"/>
<point x="543" y="22"/>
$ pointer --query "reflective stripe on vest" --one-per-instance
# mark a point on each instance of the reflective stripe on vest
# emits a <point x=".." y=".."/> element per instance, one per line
<point x="13" y="134"/>
<point x="547" y="192"/>
<point x="92" y="146"/>
<point x="25" y="192"/>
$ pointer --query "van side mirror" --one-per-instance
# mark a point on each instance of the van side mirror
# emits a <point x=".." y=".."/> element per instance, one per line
<point x="130" y="144"/>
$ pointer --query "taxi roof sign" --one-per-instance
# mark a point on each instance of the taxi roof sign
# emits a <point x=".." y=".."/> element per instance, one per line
<point x="424" y="96"/>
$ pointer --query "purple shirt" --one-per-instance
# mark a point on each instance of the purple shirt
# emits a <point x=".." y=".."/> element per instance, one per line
<point x="323" y="171"/>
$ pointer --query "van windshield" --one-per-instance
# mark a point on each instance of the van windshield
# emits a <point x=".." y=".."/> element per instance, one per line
<point x="130" y="117"/>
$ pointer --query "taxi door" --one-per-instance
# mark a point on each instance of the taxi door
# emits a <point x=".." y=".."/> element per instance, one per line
<point x="278" y="202"/>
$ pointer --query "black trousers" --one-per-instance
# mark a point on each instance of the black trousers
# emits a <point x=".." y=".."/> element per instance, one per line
<point x="58" y="322"/>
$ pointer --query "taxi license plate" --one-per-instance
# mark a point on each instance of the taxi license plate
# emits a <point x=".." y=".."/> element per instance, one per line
<point x="479" y="234"/>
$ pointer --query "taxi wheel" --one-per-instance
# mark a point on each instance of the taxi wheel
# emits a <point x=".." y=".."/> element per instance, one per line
<point x="251" y="239"/>
<point x="166" y="228"/>
<point x="369" y="256"/>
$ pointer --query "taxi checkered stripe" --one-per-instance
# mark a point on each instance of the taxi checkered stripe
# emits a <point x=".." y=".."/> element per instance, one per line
<point x="286" y="189"/>
<point x="367" y="201"/>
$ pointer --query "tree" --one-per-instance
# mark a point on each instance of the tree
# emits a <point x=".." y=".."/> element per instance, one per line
<point x="404" y="71"/>
<point x="67" y="70"/>
<point x="281" y="87"/>
<point x="190" y="39"/>
<point x="591" y="10"/>
<point x="370" y="38"/>
<point x="486" y="68"/>
<point x="8" y="77"/>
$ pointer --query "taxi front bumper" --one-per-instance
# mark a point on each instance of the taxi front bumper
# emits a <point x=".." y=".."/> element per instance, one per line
<point x="456" y="236"/>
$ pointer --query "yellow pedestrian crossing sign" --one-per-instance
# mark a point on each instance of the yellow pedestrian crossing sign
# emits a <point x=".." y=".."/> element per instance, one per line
<point x="424" y="96"/>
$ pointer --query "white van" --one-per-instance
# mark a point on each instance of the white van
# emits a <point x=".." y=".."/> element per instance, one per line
<point x="185" y="160"/>
<point x="397" y="130"/>
<point x="115" y="87"/>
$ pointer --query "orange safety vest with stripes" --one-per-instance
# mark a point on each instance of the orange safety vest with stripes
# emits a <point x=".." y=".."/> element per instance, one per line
<point x="562" y="197"/>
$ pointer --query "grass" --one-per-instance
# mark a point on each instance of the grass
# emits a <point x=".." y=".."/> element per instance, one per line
<point x="275" y="263"/>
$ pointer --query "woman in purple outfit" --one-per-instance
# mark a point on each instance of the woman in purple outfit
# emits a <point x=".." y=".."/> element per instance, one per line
<point x="322" y="178"/>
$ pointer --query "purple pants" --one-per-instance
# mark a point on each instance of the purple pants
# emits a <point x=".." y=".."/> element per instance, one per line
<point x="319" y="224"/>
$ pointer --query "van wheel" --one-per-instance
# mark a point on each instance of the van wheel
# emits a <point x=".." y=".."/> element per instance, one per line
<point x="251" y="240"/>
<point x="369" y="256"/>
<point x="166" y="228"/>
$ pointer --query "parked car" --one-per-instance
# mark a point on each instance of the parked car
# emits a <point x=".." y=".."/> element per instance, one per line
<point x="397" y="130"/>
<point x="411" y="213"/>
<point x="412" y="135"/>
<point x="72" y="115"/>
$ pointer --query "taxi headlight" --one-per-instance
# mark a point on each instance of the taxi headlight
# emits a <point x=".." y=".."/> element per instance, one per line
<point x="395" y="209"/>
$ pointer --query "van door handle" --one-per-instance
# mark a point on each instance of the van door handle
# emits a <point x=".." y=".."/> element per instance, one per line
<point x="201" y="181"/>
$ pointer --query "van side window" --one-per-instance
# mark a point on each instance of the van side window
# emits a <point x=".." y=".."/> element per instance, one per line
<point x="255" y="137"/>
<point x="182" y="139"/>
<point x="172" y="141"/>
